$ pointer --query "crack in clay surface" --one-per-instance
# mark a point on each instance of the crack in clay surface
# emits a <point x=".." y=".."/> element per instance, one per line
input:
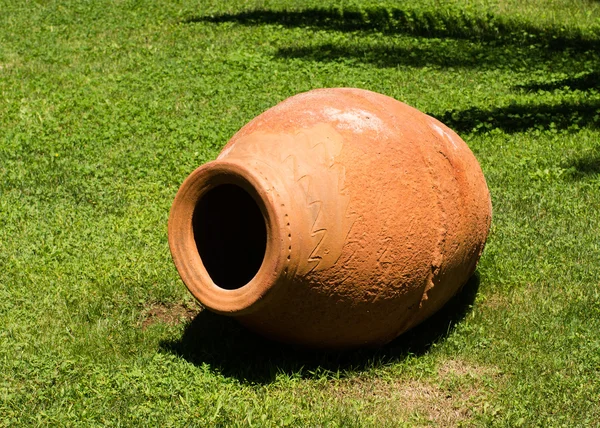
<point x="438" y="253"/>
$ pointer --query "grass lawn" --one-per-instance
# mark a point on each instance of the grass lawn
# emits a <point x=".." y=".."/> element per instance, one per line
<point x="106" y="106"/>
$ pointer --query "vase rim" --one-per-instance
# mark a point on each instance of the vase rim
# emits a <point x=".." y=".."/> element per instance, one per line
<point x="183" y="246"/>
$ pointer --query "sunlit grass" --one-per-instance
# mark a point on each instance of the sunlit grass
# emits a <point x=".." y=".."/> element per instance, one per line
<point x="105" y="107"/>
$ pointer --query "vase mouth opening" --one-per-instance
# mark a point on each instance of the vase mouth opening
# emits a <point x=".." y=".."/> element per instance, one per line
<point x="225" y="236"/>
<point x="230" y="233"/>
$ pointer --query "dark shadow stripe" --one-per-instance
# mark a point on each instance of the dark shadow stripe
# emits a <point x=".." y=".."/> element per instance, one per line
<point x="582" y="82"/>
<point x="586" y="166"/>
<point x="440" y="24"/>
<point x="456" y="53"/>
<point x="521" y="117"/>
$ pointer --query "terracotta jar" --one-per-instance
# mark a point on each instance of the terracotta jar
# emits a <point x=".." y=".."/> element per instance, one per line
<point x="338" y="218"/>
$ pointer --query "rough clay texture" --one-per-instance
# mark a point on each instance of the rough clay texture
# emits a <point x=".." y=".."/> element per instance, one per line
<point x="384" y="212"/>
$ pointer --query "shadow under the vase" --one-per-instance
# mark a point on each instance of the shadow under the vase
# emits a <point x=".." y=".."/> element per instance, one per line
<point x="236" y="352"/>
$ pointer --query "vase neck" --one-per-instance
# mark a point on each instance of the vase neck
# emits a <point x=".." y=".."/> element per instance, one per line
<point x="230" y="234"/>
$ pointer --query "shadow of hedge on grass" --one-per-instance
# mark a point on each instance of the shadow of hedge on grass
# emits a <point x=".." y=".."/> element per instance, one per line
<point x="236" y="352"/>
<point x="521" y="117"/>
<point x="457" y="38"/>
<point x="582" y="82"/>
<point x="587" y="166"/>
<point x="444" y="22"/>
<point x="438" y="54"/>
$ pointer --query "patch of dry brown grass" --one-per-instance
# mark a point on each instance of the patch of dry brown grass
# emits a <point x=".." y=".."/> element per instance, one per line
<point x="449" y="399"/>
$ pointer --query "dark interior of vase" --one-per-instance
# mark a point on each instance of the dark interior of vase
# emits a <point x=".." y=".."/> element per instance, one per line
<point x="230" y="234"/>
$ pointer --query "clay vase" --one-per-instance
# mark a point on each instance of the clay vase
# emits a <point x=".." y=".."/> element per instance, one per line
<point x="338" y="218"/>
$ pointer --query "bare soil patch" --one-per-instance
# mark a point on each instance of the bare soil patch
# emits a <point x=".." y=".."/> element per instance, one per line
<point x="171" y="314"/>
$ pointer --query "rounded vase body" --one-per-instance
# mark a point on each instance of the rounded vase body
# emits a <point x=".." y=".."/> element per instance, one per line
<point x="338" y="218"/>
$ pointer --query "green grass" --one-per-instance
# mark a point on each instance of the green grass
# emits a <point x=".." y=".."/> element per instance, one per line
<point x="105" y="107"/>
